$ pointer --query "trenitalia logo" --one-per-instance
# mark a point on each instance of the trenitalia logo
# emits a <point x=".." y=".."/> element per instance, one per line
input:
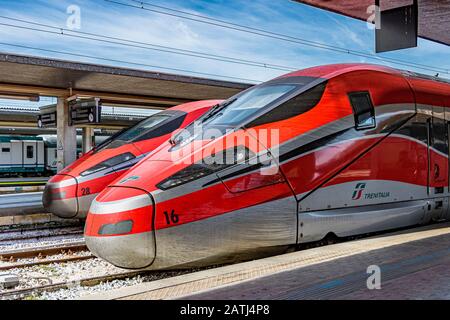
<point x="360" y="188"/>
<point x="357" y="194"/>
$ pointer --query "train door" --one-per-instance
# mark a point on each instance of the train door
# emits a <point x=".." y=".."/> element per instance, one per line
<point x="29" y="151"/>
<point x="51" y="158"/>
<point x="5" y="156"/>
<point x="40" y="156"/>
<point x="438" y="163"/>
<point x="16" y="155"/>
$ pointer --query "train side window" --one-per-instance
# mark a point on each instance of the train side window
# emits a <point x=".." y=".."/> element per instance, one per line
<point x="298" y="105"/>
<point x="30" y="152"/>
<point x="6" y="150"/>
<point x="363" y="109"/>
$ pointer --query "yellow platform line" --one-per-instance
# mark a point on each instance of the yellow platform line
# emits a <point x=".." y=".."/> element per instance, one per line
<point x="12" y="184"/>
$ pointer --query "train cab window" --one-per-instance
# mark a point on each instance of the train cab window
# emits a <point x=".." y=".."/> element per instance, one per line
<point x="163" y="128"/>
<point x="30" y="152"/>
<point x="6" y="150"/>
<point x="156" y="125"/>
<point x="249" y="103"/>
<point x="363" y="108"/>
<point x="275" y="100"/>
<point x="142" y="127"/>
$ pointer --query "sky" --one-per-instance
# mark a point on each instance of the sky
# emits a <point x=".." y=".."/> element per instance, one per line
<point x="281" y="16"/>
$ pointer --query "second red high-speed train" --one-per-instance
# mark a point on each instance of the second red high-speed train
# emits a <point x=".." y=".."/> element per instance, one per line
<point x="340" y="149"/>
<point x="70" y="193"/>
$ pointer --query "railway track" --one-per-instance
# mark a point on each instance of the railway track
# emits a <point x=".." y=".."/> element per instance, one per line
<point x="90" y="281"/>
<point x="21" y="236"/>
<point x="45" y="262"/>
<point x="49" y="284"/>
<point x="42" y="256"/>
<point x="20" y="228"/>
<point x="12" y="255"/>
<point x="33" y="234"/>
<point x="69" y="255"/>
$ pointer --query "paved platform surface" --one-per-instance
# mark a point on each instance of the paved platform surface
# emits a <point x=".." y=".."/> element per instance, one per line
<point x="21" y="203"/>
<point x="414" y="264"/>
<point x="30" y="218"/>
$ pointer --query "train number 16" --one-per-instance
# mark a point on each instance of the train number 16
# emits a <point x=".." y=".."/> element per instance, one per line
<point x="172" y="217"/>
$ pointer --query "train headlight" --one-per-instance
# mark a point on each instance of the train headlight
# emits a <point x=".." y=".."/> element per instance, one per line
<point x="121" y="227"/>
<point x="207" y="166"/>
<point x="111" y="162"/>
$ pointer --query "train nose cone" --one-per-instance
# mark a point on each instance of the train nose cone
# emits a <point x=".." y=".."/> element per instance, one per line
<point x="119" y="228"/>
<point x="59" y="196"/>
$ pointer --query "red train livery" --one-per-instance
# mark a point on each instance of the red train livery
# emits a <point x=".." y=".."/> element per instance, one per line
<point x="69" y="193"/>
<point x="358" y="148"/>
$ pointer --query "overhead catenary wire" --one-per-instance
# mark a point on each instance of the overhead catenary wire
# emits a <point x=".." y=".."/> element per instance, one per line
<point x="126" y="62"/>
<point x="144" y="45"/>
<point x="139" y="44"/>
<point x="310" y="42"/>
<point x="255" y="31"/>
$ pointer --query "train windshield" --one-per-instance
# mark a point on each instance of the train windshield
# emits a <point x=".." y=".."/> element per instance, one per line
<point x="145" y="129"/>
<point x="143" y="126"/>
<point x="234" y="111"/>
<point x="248" y="104"/>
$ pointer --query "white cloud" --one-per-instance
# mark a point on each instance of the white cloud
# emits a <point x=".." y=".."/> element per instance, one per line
<point x="144" y="26"/>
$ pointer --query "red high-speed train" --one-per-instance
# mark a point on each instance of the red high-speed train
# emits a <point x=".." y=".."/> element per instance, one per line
<point x="357" y="148"/>
<point x="69" y="193"/>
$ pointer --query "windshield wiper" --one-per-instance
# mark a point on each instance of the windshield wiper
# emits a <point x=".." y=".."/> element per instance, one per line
<point x="212" y="112"/>
<point x="217" y="108"/>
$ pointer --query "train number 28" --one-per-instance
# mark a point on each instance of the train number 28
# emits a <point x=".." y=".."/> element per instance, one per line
<point x="171" y="217"/>
<point x="85" y="191"/>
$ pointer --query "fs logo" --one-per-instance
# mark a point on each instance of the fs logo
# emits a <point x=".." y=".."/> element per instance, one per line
<point x="357" y="194"/>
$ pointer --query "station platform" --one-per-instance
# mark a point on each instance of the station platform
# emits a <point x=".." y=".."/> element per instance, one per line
<point x="18" y="185"/>
<point x="17" y="204"/>
<point x="414" y="264"/>
<point x="29" y="218"/>
<point x="20" y="182"/>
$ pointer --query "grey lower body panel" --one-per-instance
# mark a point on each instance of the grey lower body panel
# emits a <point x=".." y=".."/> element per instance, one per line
<point x="315" y="225"/>
<point x="252" y="232"/>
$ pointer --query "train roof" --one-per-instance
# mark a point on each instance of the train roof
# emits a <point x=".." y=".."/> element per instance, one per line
<point x="49" y="140"/>
<point x="195" y="105"/>
<point x="9" y="138"/>
<point x="333" y="70"/>
<point x="416" y="75"/>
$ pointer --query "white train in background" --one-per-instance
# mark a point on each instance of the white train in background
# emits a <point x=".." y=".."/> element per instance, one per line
<point x="31" y="155"/>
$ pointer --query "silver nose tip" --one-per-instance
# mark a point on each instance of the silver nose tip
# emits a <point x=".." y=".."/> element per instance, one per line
<point x="56" y="202"/>
<point x="133" y="251"/>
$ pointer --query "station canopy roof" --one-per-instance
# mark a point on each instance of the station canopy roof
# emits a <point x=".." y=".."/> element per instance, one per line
<point x="434" y="15"/>
<point x="50" y="77"/>
<point x="24" y="117"/>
